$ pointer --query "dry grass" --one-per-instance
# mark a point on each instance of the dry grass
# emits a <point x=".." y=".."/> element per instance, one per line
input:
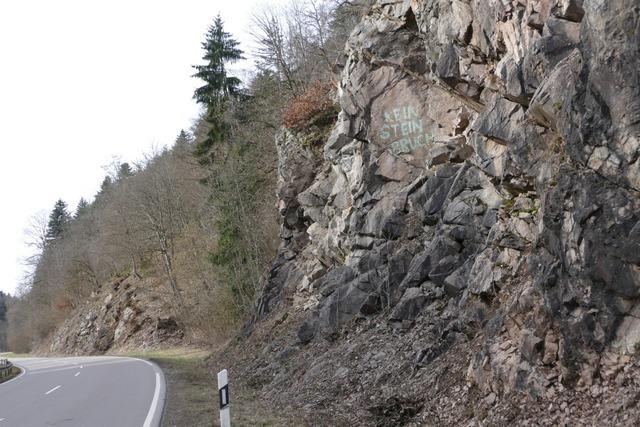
<point x="10" y="355"/>
<point x="190" y="388"/>
<point x="192" y="392"/>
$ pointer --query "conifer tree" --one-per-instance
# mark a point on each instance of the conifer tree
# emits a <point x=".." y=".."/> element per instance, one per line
<point x="3" y="307"/>
<point x="107" y="182"/>
<point x="57" y="221"/>
<point x="220" y="49"/>
<point x="125" y="171"/>
<point x="83" y="205"/>
<point x="183" y="139"/>
<point x="183" y="147"/>
<point x="3" y="322"/>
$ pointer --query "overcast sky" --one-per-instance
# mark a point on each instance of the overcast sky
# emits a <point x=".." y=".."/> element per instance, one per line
<point x="82" y="82"/>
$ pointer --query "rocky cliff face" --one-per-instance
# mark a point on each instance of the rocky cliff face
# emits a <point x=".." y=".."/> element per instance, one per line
<point x="124" y="314"/>
<point x="475" y="214"/>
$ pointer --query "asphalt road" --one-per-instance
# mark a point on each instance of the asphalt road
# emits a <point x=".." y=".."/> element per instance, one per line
<point x="83" y="392"/>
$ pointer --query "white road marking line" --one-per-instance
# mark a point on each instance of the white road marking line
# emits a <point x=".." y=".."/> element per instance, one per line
<point x="77" y="373"/>
<point x="66" y="368"/>
<point x="154" y="403"/>
<point x="37" y="367"/>
<point x="53" y="389"/>
<point x="41" y="365"/>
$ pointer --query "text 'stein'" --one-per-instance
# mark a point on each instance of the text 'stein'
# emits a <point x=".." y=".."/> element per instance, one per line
<point x="405" y="129"/>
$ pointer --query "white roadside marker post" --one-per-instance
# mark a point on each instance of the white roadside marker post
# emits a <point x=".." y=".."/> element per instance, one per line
<point x="223" y="395"/>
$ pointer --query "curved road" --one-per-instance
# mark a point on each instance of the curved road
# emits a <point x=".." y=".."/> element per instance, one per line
<point x="83" y="392"/>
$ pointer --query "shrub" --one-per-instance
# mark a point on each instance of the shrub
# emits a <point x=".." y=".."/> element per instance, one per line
<point x="314" y="106"/>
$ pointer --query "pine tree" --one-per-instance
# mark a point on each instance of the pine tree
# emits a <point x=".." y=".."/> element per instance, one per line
<point x="220" y="49"/>
<point x="57" y="221"/>
<point x="124" y="171"/>
<point x="82" y="208"/>
<point x="3" y="322"/>
<point x="183" y="147"/>
<point x="183" y="139"/>
<point x="3" y="307"/>
<point x="105" y="186"/>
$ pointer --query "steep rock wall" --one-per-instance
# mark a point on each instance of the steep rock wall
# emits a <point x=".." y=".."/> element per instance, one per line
<point x="480" y="189"/>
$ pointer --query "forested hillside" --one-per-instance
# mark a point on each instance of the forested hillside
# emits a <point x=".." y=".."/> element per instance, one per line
<point x="4" y="303"/>
<point x="200" y="216"/>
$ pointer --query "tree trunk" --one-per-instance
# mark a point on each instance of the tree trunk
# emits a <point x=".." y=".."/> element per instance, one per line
<point x="172" y="280"/>
<point x="134" y="268"/>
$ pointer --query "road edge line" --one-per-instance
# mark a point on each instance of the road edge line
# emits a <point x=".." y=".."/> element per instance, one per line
<point x="159" y="395"/>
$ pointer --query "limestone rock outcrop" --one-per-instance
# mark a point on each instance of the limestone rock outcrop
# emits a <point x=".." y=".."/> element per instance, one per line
<point x="122" y="315"/>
